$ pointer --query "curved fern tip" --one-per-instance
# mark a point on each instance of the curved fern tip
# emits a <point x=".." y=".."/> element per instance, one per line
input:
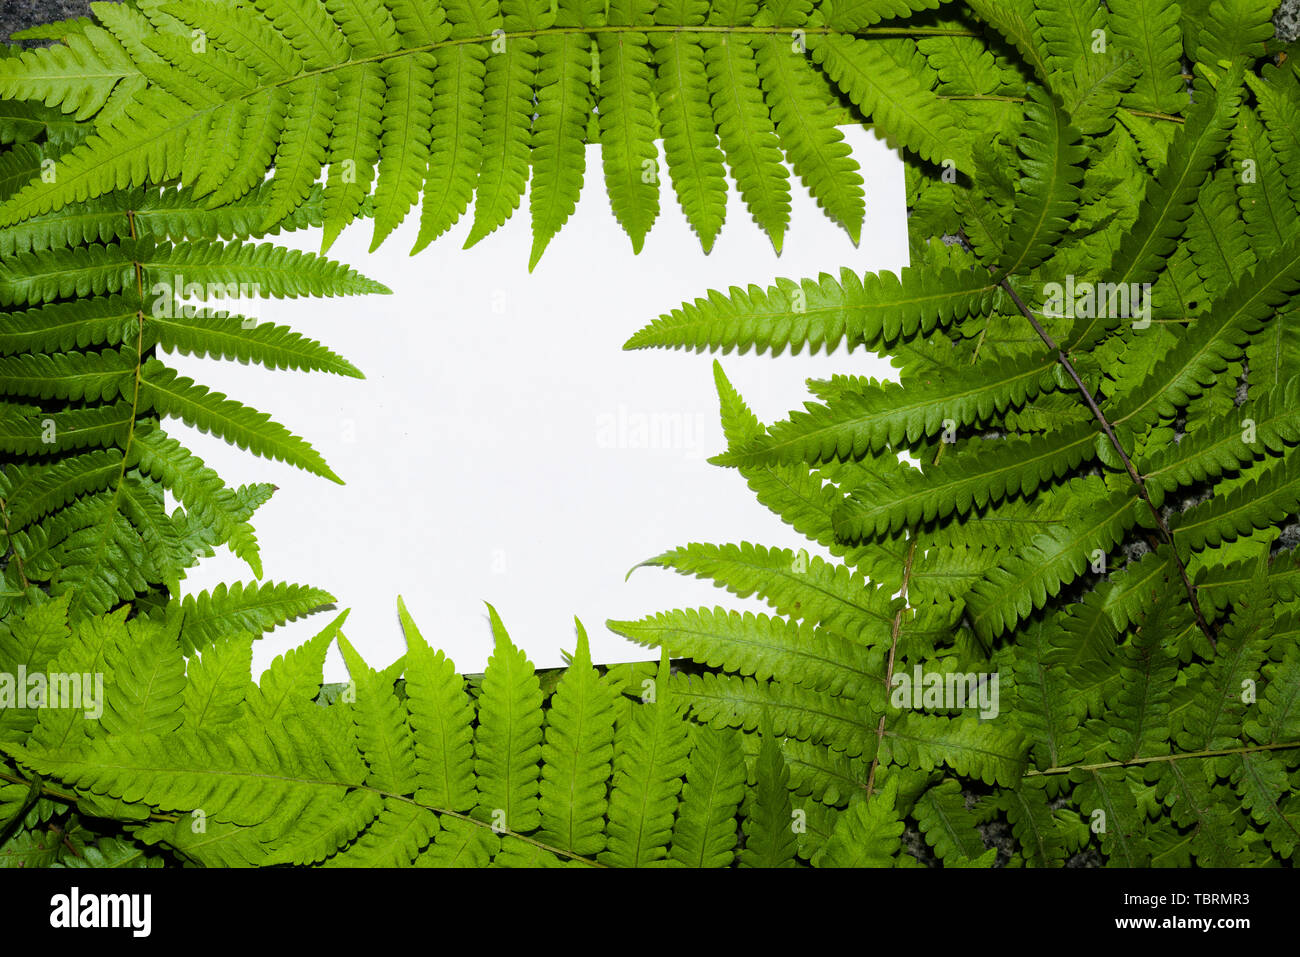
<point x="657" y="561"/>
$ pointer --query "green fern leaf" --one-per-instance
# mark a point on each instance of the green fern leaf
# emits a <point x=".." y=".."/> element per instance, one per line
<point x="815" y="147"/>
<point x="895" y="100"/>
<point x="627" y="123"/>
<point x="148" y="679"/>
<point x="748" y="134"/>
<point x="1259" y="503"/>
<point x="1148" y="29"/>
<point x="441" y="716"/>
<point x="972" y="748"/>
<point x="690" y="139"/>
<point x="868" y="834"/>
<point x="216" y="682"/>
<point x="868" y="419"/>
<point x="508" y="118"/>
<point x="1053" y="151"/>
<point x="77" y="77"/>
<point x="737" y="702"/>
<point x="768" y="815"/>
<point x="651" y="753"/>
<point x="1169" y="198"/>
<point x="960" y="483"/>
<point x="508" y="739"/>
<point x="756" y="645"/>
<point x="862" y="310"/>
<point x="576" y="757"/>
<point x="232" y="337"/>
<point x="172" y="394"/>
<point x="948" y="826"/>
<point x="563" y="108"/>
<point x="704" y="833"/>
<point x="794" y="584"/>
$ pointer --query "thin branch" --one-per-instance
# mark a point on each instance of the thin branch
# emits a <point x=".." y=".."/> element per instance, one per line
<point x="1249" y="749"/>
<point x="997" y="98"/>
<point x="896" y="627"/>
<point x="1100" y="416"/>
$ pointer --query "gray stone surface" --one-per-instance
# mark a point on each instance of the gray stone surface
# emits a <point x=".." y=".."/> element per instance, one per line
<point x="1287" y="20"/>
<point x="18" y="15"/>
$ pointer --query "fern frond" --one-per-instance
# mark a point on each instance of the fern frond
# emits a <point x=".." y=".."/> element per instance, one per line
<point x="768" y="815"/>
<point x="1024" y="582"/>
<point x="293" y="681"/>
<point x="1170" y="197"/>
<point x="747" y="133"/>
<point x="441" y="717"/>
<point x="651" y="753"/>
<point x="868" y="834"/>
<point x="576" y="757"/>
<point x="874" y="416"/>
<point x="1049" y="189"/>
<point x="1043" y="840"/>
<point x="736" y="702"/>
<point x="823" y="593"/>
<point x="948" y="826"/>
<point x="1148" y="29"/>
<point x="756" y="645"/>
<point x="1012" y="466"/>
<point x="971" y="747"/>
<point x="170" y="393"/>
<point x="1068" y="31"/>
<point x="1267" y="425"/>
<point x="704" y="834"/>
<point x="1212" y="342"/>
<point x="148" y="682"/>
<point x="898" y="104"/>
<point x="77" y="77"/>
<point x="823" y="312"/>
<point x="1279" y="108"/>
<point x="508" y="118"/>
<point x="216" y="681"/>
<point x="815" y="147"/>
<point x="563" y="107"/>
<point x="1259" y="503"/>
<point x="508" y="739"/>
<point x="379" y="721"/>
<point x="690" y="139"/>
<point x="626" y="105"/>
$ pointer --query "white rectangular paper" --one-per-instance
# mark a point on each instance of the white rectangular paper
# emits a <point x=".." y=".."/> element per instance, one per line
<point x="503" y="446"/>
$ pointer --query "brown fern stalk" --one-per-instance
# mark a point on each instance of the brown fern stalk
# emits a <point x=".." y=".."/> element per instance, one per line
<point x="1165" y="532"/>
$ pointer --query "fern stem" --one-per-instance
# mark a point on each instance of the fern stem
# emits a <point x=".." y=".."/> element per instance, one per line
<point x="895" y="629"/>
<point x="18" y="559"/>
<point x="1251" y="749"/>
<point x="65" y="796"/>
<point x="1100" y="416"/>
<point x="896" y="626"/>
<point x="1149" y="114"/>
<point x="687" y="30"/>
